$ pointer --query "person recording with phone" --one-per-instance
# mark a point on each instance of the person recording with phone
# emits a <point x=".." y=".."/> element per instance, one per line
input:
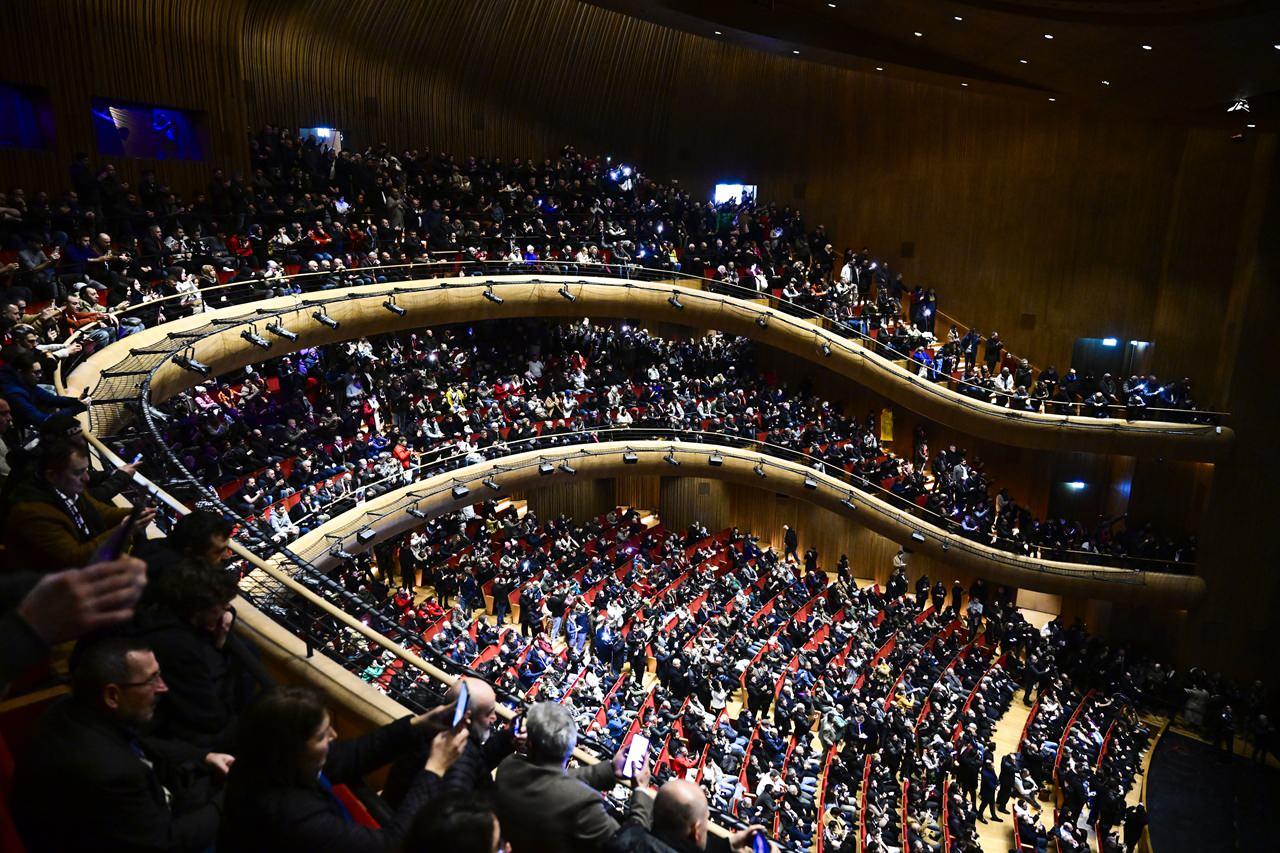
<point x="544" y="808"/>
<point x="680" y="822"/>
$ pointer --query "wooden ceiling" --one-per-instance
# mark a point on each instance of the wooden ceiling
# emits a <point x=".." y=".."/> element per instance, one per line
<point x="1203" y="54"/>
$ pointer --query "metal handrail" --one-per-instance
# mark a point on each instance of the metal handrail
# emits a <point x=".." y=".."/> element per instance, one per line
<point x="638" y="273"/>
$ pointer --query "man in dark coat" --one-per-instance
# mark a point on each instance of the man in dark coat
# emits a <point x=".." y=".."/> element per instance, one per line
<point x="89" y="780"/>
<point x="680" y="820"/>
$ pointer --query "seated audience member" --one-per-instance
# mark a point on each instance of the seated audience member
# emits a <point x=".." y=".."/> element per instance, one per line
<point x="212" y="673"/>
<point x="545" y="809"/>
<point x="680" y="821"/>
<point x="32" y="405"/>
<point x="39" y="611"/>
<point x="456" y="822"/>
<point x="52" y="522"/>
<point x="280" y="793"/>
<point x="90" y="779"/>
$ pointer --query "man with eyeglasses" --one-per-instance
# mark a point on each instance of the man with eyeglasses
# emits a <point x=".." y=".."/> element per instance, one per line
<point x="90" y="778"/>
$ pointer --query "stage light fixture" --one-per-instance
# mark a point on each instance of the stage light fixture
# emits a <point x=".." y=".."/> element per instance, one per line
<point x="417" y="513"/>
<point x="493" y="297"/>
<point x="492" y="484"/>
<point x="917" y="536"/>
<point x="826" y="350"/>
<point x="671" y="459"/>
<point x="367" y="534"/>
<point x="759" y="469"/>
<point x="545" y="468"/>
<point x="254" y="338"/>
<point x="715" y="460"/>
<point x="847" y="500"/>
<point x="564" y="291"/>
<point x="810" y="483"/>
<point x="630" y="458"/>
<point x="390" y="305"/>
<point x="281" y="332"/>
<point x="674" y="301"/>
<point x="567" y="468"/>
<point x="187" y="362"/>
<point x="324" y="319"/>
<point x="460" y="491"/>
<point x="762" y="321"/>
<point x="338" y="552"/>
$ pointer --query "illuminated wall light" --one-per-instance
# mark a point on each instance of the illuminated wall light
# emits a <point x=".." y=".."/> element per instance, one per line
<point x="1250" y="126"/>
<point x="1076" y="485"/>
<point x="1106" y="82"/>
<point x="1053" y="100"/>
<point x="1022" y="61"/>
<point x="966" y="85"/>
<point x="919" y="35"/>
<point x="719" y="33"/>
<point x="796" y="52"/>
<point x="958" y="18"/>
<point x="879" y="68"/>
<point x="1049" y="36"/>
<point x="1147" y="47"/>
<point x="1109" y="342"/>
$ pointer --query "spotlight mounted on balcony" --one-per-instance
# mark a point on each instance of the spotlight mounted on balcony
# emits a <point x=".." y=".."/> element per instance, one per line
<point x="762" y="321"/>
<point x="847" y="501"/>
<point x="567" y="294"/>
<point x="338" y="552"/>
<point x="324" y="319"/>
<point x="674" y="301"/>
<point x="492" y="484"/>
<point x="810" y="483"/>
<point x="671" y="459"/>
<point x="630" y="458"/>
<point x="281" y="332"/>
<point x="826" y="349"/>
<point x="545" y="468"/>
<point x="390" y="305"/>
<point x="460" y="491"/>
<point x="759" y="469"/>
<point x="493" y="297"/>
<point x="189" y="362"/>
<point x="715" y="460"/>
<point x="917" y="536"/>
<point x="367" y="534"/>
<point x="567" y="468"/>
<point x="418" y="513"/>
<point x="251" y="335"/>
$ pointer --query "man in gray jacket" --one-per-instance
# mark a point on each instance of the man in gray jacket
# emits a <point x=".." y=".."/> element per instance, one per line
<point x="544" y="808"/>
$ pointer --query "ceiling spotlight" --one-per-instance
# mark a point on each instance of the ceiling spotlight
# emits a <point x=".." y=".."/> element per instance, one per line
<point x="1049" y="36"/>
<point x="545" y="468"/>
<point x="1239" y="105"/>
<point x="366" y="534"/>
<point x="460" y="491"/>
<point x="919" y="35"/>
<point x="946" y="546"/>
<point x="879" y="68"/>
<point x="493" y="297"/>
<point x="847" y="500"/>
<point x="826" y="349"/>
<point x="810" y="483"/>
<point x="567" y="468"/>
<point x="715" y="460"/>
<point x="759" y="469"/>
<point x="187" y="362"/>
<point x="796" y="52"/>
<point x="630" y="458"/>
<point x="254" y="338"/>
<point x="833" y="5"/>
<point x="917" y="536"/>
<point x="281" y="332"/>
<point x="762" y="321"/>
<point x="564" y="291"/>
<point x="324" y="319"/>
<point x="391" y="306"/>
<point x="966" y="85"/>
<point x="674" y="301"/>
<point x="1106" y="82"/>
<point x="1251" y="126"/>
<point x="719" y="33"/>
<point x="492" y="483"/>
<point x="1053" y="100"/>
<point x="1147" y="47"/>
<point x="417" y="513"/>
<point x="1023" y="61"/>
<point x="671" y="459"/>
<point x="957" y="17"/>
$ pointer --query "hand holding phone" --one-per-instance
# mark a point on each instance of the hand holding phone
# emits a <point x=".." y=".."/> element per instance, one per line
<point x="634" y="757"/>
<point x="460" y="707"/>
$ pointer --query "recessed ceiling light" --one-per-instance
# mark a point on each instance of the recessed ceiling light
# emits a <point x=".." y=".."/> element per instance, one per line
<point x="1053" y="100"/>
<point x="958" y="18"/>
<point x="1250" y="125"/>
<point x="1276" y="46"/>
<point x="1049" y="36"/>
<point x="879" y="68"/>
<point x="1023" y="61"/>
<point x="796" y="52"/>
<point x="966" y="85"/>
<point x="1146" y="47"/>
<point x="919" y="35"/>
<point x="1106" y="82"/>
<point x="719" y="33"/>
<point x="832" y="5"/>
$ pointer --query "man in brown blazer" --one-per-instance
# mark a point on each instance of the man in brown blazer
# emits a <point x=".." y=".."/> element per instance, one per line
<point x="544" y="808"/>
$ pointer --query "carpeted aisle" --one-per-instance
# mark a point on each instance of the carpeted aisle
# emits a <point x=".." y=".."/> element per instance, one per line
<point x="1199" y="802"/>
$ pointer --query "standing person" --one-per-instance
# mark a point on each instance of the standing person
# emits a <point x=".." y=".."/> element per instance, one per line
<point x="1008" y="770"/>
<point x="988" y="783"/>
<point x="1135" y="826"/>
<point x="993" y="350"/>
<point x="542" y="808"/>
<point x="790" y="541"/>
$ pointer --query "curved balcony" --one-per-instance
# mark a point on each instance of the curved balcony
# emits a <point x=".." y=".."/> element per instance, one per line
<point x="214" y="338"/>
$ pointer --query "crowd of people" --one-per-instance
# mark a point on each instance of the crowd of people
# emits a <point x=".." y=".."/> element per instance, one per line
<point x="111" y="258"/>
<point x="339" y="423"/>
